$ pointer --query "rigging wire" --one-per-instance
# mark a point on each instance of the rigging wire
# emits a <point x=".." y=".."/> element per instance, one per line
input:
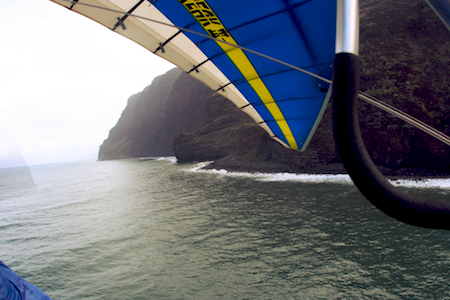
<point x="405" y="117"/>
<point x="361" y="95"/>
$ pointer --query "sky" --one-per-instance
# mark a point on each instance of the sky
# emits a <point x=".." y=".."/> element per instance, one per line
<point x="64" y="81"/>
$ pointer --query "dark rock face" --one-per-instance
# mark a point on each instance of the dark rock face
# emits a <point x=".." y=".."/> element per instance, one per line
<point x="405" y="61"/>
<point x="220" y="137"/>
<point x="173" y="103"/>
<point x="405" y="52"/>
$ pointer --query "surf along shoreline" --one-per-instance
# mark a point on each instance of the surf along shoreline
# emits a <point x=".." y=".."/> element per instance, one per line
<point x="234" y="164"/>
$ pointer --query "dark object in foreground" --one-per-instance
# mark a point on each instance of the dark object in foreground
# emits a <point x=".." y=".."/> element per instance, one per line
<point x="373" y="185"/>
<point x="14" y="287"/>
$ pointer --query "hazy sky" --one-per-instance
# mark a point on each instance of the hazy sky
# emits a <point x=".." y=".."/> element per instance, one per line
<point x="64" y="81"/>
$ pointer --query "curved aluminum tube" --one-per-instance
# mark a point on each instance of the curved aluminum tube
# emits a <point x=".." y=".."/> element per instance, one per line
<point x="430" y="213"/>
<point x="347" y="27"/>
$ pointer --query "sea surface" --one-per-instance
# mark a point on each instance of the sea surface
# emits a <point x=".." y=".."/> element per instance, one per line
<point x="155" y="229"/>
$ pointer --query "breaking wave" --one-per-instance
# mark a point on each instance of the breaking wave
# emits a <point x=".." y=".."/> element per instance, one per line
<point x="439" y="183"/>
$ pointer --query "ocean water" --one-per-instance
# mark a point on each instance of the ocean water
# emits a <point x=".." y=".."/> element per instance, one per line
<point x="154" y="229"/>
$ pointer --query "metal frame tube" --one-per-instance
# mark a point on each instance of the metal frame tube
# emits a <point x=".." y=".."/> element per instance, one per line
<point x="347" y="27"/>
<point x="430" y="213"/>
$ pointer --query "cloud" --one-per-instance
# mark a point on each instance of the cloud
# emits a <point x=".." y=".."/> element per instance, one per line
<point x="10" y="154"/>
<point x="64" y="81"/>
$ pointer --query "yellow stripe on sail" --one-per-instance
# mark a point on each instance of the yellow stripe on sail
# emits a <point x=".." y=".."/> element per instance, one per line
<point x="201" y="11"/>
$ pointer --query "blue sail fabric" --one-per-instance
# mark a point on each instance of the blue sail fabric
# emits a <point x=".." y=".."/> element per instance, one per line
<point x="267" y="43"/>
<point x="297" y="32"/>
<point x="14" y="287"/>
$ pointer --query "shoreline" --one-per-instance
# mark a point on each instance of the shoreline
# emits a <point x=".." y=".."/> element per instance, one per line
<point x="233" y="164"/>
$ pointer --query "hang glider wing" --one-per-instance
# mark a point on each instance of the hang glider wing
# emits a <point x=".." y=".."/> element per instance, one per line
<point x="287" y="103"/>
<point x="251" y="52"/>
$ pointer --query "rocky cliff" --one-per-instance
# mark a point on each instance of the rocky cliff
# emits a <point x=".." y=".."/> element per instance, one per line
<point x="173" y="103"/>
<point x="405" y="54"/>
<point x="405" y="62"/>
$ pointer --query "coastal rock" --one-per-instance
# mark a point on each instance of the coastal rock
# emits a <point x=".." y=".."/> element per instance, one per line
<point x="173" y="103"/>
<point x="405" y="51"/>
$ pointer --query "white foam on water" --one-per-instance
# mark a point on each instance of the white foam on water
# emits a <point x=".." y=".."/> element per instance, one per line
<point x="312" y="178"/>
<point x="172" y="159"/>
<point x="308" y="178"/>
<point x="440" y="183"/>
<point x="198" y="167"/>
